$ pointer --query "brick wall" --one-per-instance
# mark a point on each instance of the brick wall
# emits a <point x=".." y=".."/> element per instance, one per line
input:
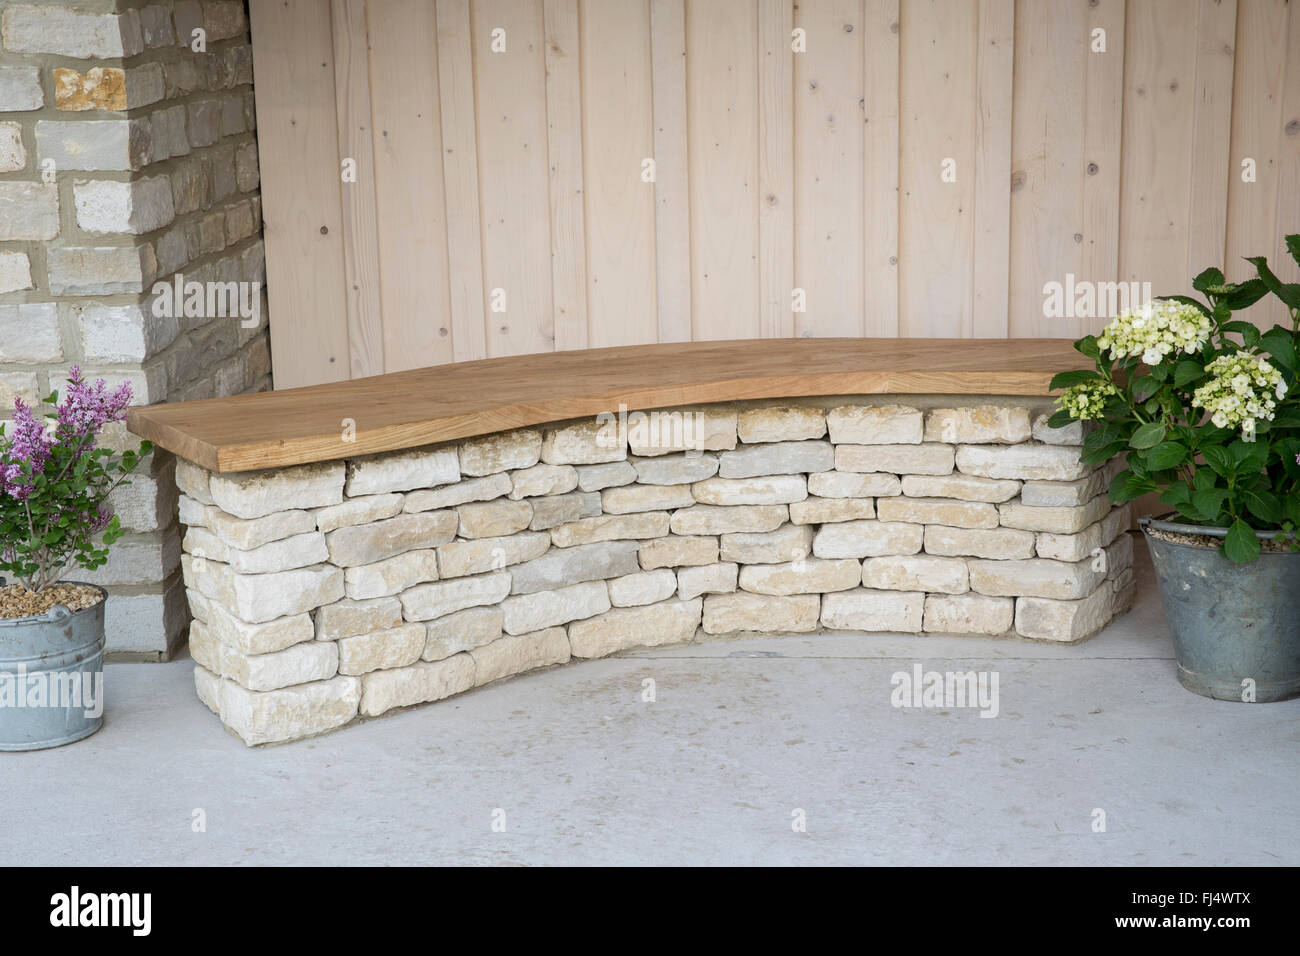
<point x="128" y="156"/>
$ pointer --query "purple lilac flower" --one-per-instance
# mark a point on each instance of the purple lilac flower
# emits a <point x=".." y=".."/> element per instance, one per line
<point x="86" y="408"/>
<point x="28" y="444"/>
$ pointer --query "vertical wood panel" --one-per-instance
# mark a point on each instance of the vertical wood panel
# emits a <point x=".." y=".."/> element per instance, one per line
<point x="514" y="189"/>
<point x="672" y="186"/>
<point x="564" y="151"/>
<point x="1288" y="182"/>
<point x="722" y="108"/>
<point x="1101" y="171"/>
<point x="937" y="82"/>
<point x="775" y="168"/>
<point x="992" y="207"/>
<point x="460" y="180"/>
<point x="880" y="168"/>
<point x="412" y="238"/>
<point x="828" y="159"/>
<point x="302" y="208"/>
<point x="1216" y="27"/>
<point x="619" y="208"/>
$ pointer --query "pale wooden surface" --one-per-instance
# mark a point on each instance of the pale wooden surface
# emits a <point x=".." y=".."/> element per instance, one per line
<point x="777" y="169"/>
<point x="422" y="406"/>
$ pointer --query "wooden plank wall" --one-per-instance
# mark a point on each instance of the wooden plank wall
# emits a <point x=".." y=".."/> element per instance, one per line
<point x="533" y="175"/>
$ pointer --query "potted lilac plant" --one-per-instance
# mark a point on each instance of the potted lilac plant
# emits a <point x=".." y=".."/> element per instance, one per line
<point x="54" y="515"/>
<point x="1206" y="411"/>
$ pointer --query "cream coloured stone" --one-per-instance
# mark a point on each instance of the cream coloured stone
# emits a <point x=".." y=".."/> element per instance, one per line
<point x="968" y="614"/>
<point x="392" y="575"/>
<point x="809" y="576"/>
<point x="845" y="484"/>
<point x="348" y="618"/>
<point x="555" y="510"/>
<point x="517" y="653"/>
<point x="777" y="458"/>
<point x="789" y="542"/>
<point x="401" y="471"/>
<point x="290" y="713"/>
<point x="766" y="490"/>
<point x="828" y="510"/>
<point x="381" y="650"/>
<point x="192" y="513"/>
<point x="257" y="598"/>
<point x="462" y="631"/>
<point x="542" y="480"/>
<point x="562" y="567"/>
<point x="283" y="555"/>
<point x="358" y="511"/>
<point x="264" y="637"/>
<point x="1055" y="520"/>
<point x="763" y="613"/>
<point x="416" y="683"/>
<point x="362" y="544"/>
<point x="1076" y="547"/>
<point x="1066" y="621"/>
<point x="1035" y="577"/>
<point x="300" y="664"/>
<point x="993" y="543"/>
<point x="922" y="459"/>
<point x="1029" y="460"/>
<point x="1067" y="494"/>
<point x="608" y="475"/>
<point x="493" y="519"/>
<point x="956" y="485"/>
<point x="193" y="481"/>
<point x="725" y="519"/>
<point x="249" y="533"/>
<point x="682" y="429"/>
<point x="874" y="425"/>
<point x="639" y="526"/>
<point x="1071" y="434"/>
<point x="208" y="686"/>
<point x="427" y="601"/>
<point x="206" y="650"/>
<point x="677" y="551"/>
<point x="584" y="443"/>
<point x="672" y="623"/>
<point x="983" y="424"/>
<point x="632" y="498"/>
<point x="706" y="579"/>
<point x="504" y="451"/>
<point x="462" y="492"/>
<point x="780" y="423"/>
<point x="942" y="511"/>
<point x="460" y="558"/>
<point x="641" y="587"/>
<point x="1119" y="556"/>
<point x="916" y="572"/>
<point x="253" y="494"/>
<point x="683" y="469"/>
<point x="542" y="609"/>
<point x="864" y="609"/>
<point x="860" y="539"/>
<point x="202" y="543"/>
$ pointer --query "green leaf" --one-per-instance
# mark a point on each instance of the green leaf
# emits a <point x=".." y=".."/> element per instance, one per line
<point x="1168" y="454"/>
<point x="1176" y="495"/>
<point x="1240" y="546"/>
<point x="1279" y="343"/>
<point x="1076" y="377"/>
<point x="1186" y="371"/>
<point x="1188" y="300"/>
<point x="1264" y="505"/>
<point x="1210" y="501"/>
<point x="1243" y="294"/>
<point x="1248" y="332"/>
<point x="1293" y="247"/>
<point x="1127" y="486"/>
<point x="1088" y="346"/>
<point x="1288" y="292"/>
<point x="1060" y="418"/>
<point x="1144" y="388"/>
<point x="1210" y="277"/>
<point x="1147" y="435"/>
<point x="1218" y="458"/>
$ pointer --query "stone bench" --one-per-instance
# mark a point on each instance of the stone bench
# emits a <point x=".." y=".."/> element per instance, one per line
<point x="374" y="544"/>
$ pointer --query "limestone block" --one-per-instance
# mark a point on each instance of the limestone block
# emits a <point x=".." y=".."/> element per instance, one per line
<point x="392" y="575"/>
<point x="265" y="637"/>
<point x="300" y="664"/>
<point x="462" y="492"/>
<point x="865" y="609"/>
<point x="671" y="623"/>
<point x="1035" y="577"/>
<point x="968" y="614"/>
<point x="416" y="683"/>
<point x="777" y="458"/>
<point x="633" y="498"/>
<point x="542" y="480"/>
<point x="1065" y="621"/>
<point x="462" y="631"/>
<point x="777" y="423"/>
<point x="725" y="519"/>
<point x="290" y="713"/>
<point x="1076" y="547"/>
<point x="381" y="650"/>
<point x="461" y="558"/>
<point x="706" y="579"/>
<point x="978" y="424"/>
<point x="1071" y="434"/>
<point x="609" y="475"/>
<point x="525" y="613"/>
<point x="253" y="494"/>
<point x="641" y="587"/>
<point x="809" y="576"/>
<point x="555" y="510"/>
<point x="517" y="653"/>
<point x="677" y="551"/>
<point x="1028" y="461"/>
<point x="504" y="451"/>
<point x="427" y="601"/>
<point x="874" y="425"/>
<point x="695" y="430"/>
<point x="766" y="490"/>
<point x="356" y="511"/>
<point x="743" y="611"/>
<point x="638" y="526"/>
<point x="348" y="618"/>
<point x="861" y="539"/>
<point x="257" y="598"/>
<point x="1056" y="520"/>
<point x="829" y="510"/>
<point x="923" y="459"/>
<point x="562" y="567"/>
<point x="683" y="469"/>
<point x="845" y="484"/>
<point x="401" y="471"/>
<point x="493" y="519"/>
<point x="993" y="543"/>
<point x="250" y="533"/>
<point x="916" y="572"/>
<point x="964" y="487"/>
<point x="584" y="443"/>
<point x="358" y="545"/>
<point x="789" y="542"/>
<point x="283" y="555"/>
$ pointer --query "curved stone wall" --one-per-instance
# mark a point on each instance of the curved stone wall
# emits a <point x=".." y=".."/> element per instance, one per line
<point x="344" y="589"/>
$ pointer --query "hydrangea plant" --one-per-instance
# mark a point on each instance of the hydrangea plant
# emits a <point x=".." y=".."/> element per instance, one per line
<point x="55" y="482"/>
<point x="1203" y="405"/>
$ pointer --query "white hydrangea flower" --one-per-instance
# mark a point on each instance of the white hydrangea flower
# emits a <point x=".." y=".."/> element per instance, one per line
<point x="1087" y="400"/>
<point x="1240" y="392"/>
<point x="1154" y="331"/>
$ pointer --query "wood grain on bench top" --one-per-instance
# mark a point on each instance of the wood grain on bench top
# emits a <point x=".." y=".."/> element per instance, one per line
<point x="424" y="406"/>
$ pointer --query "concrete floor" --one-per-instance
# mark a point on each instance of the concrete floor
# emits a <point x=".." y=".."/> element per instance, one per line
<point x="742" y="734"/>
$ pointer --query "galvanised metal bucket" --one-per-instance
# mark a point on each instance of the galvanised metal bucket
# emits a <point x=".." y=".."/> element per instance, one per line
<point x="1231" y="623"/>
<point x="51" y="677"/>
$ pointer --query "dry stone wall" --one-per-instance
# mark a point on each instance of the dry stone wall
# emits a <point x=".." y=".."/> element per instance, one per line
<point x="326" y="592"/>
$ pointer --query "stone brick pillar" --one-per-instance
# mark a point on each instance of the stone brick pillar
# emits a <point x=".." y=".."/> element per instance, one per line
<point x="128" y="158"/>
